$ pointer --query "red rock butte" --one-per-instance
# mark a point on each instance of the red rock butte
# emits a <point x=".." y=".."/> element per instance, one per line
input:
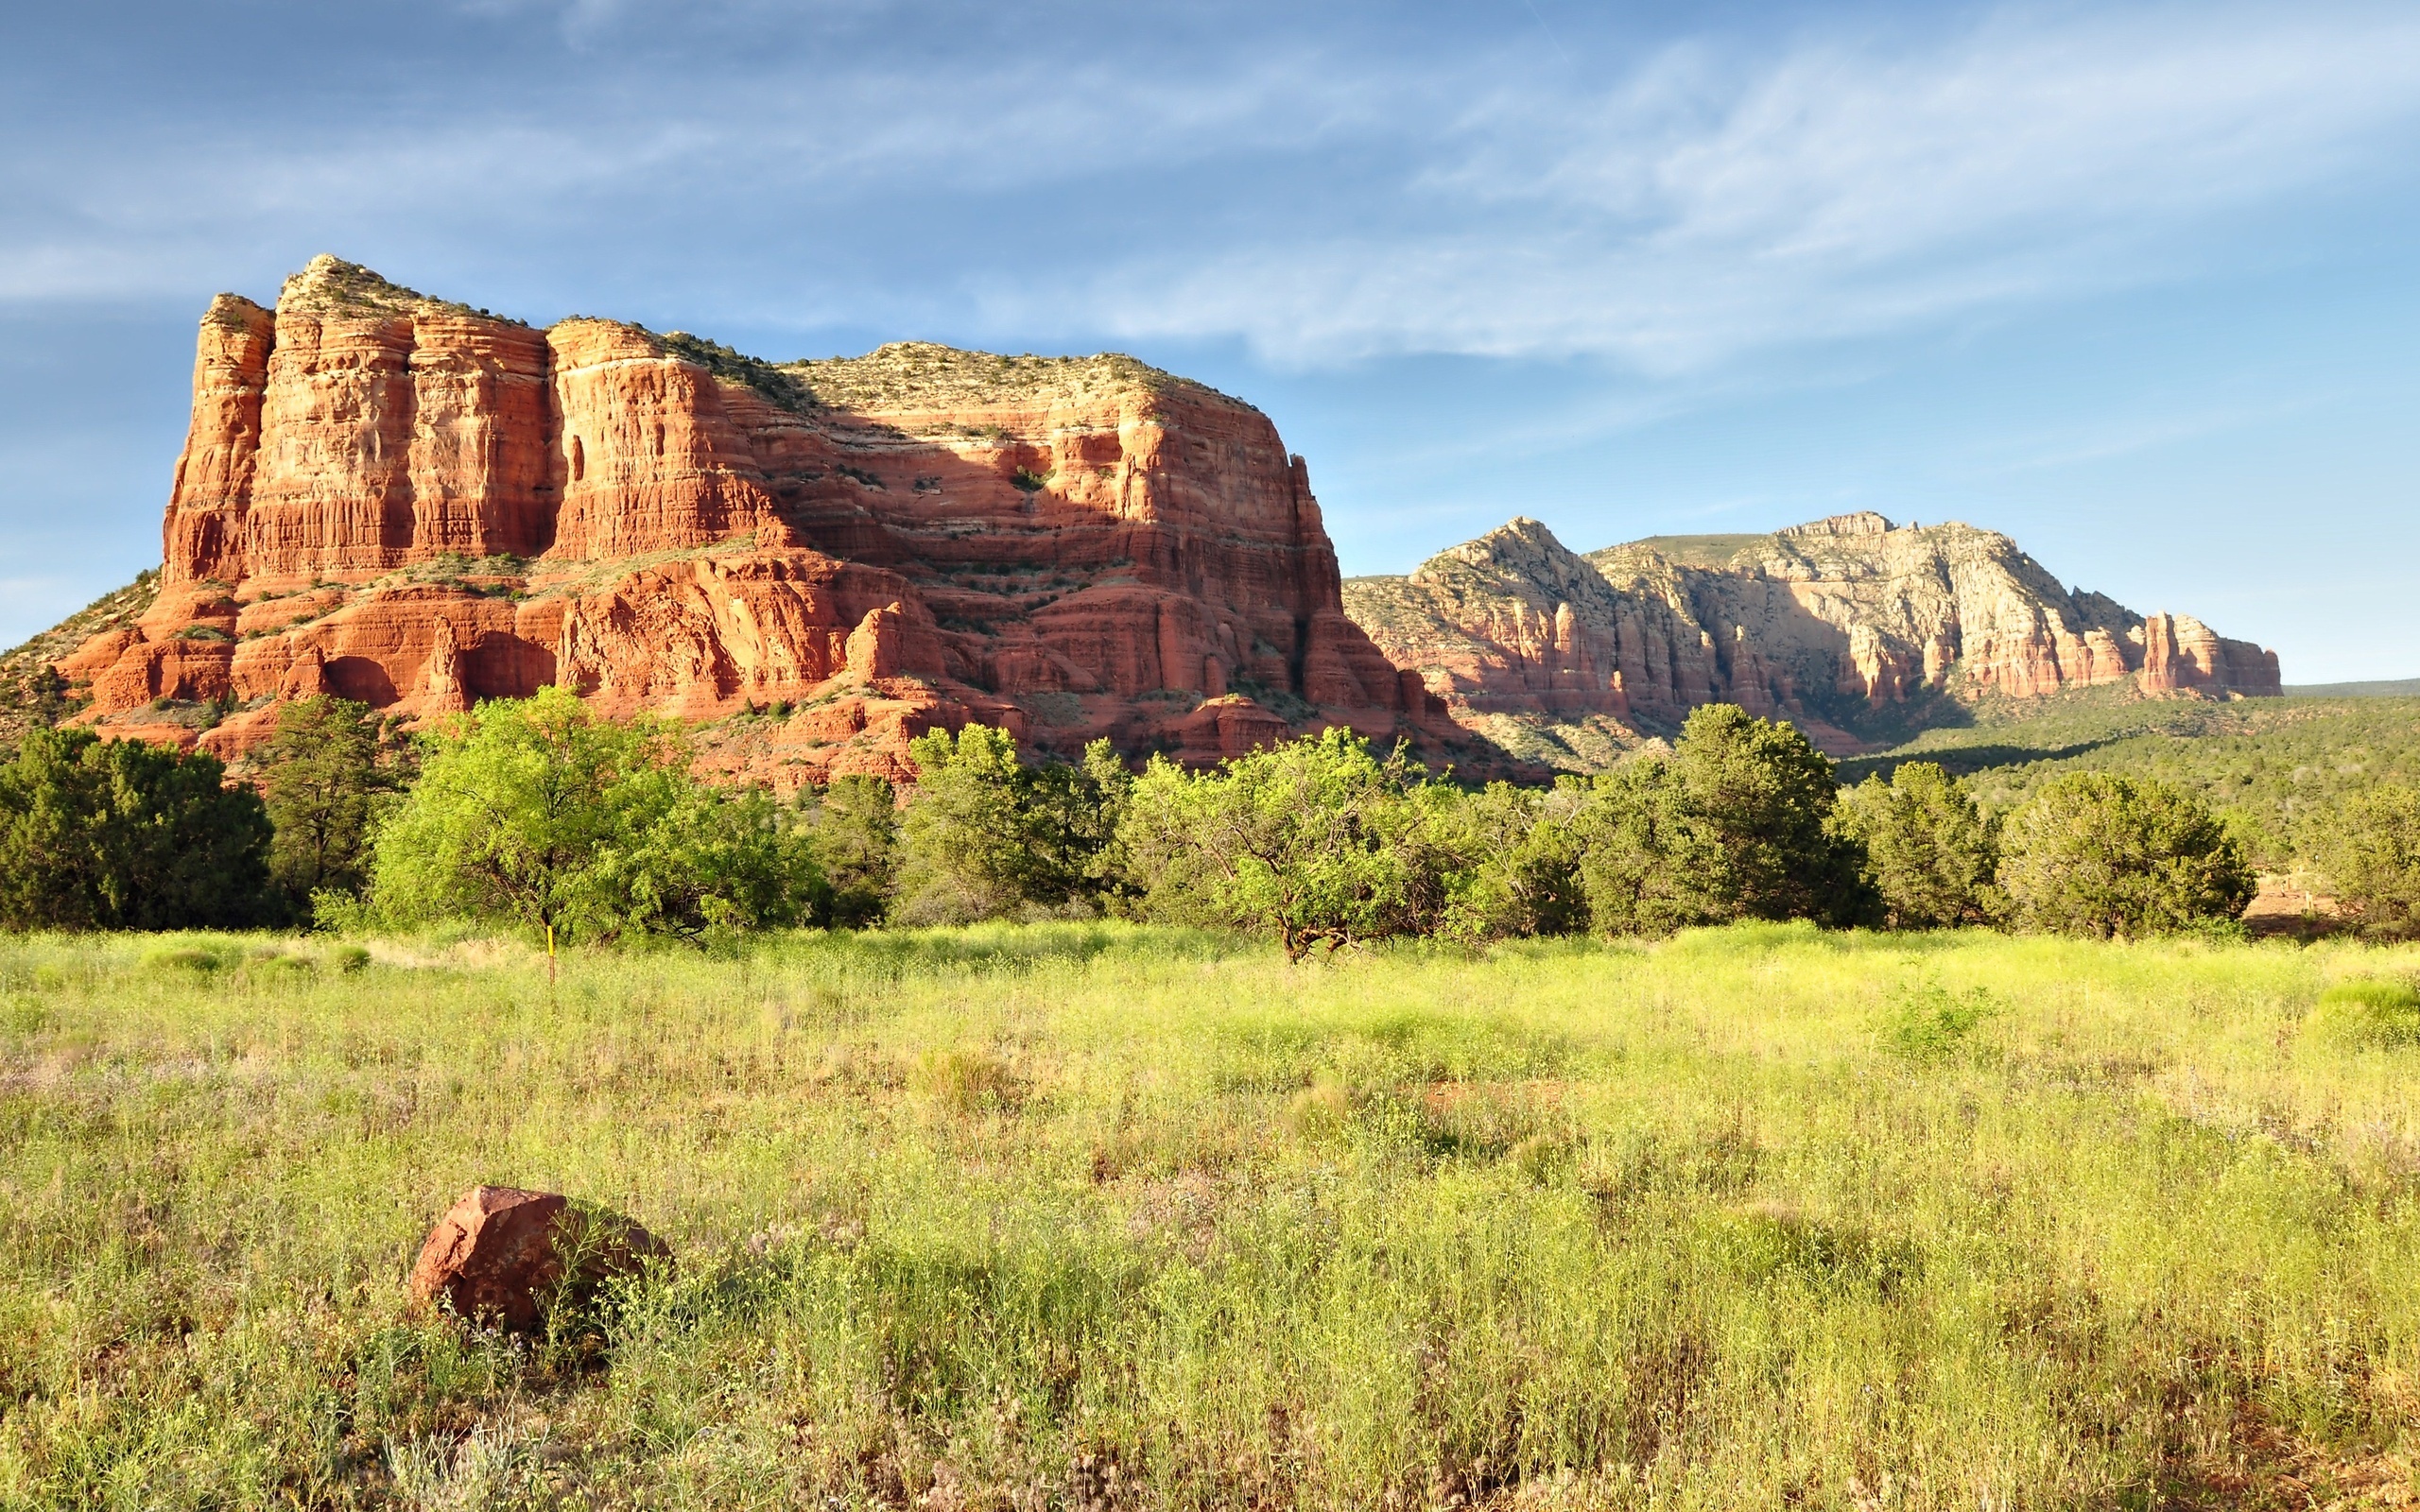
<point x="418" y="505"/>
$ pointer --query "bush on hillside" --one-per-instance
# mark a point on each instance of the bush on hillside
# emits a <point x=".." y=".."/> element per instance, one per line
<point x="1733" y="824"/>
<point x="1316" y="841"/>
<point x="985" y="836"/>
<point x="2369" y="850"/>
<point x="535" y="812"/>
<point x="324" y="784"/>
<point x="1929" y="853"/>
<point x="2115" y="857"/>
<point x="121" y="835"/>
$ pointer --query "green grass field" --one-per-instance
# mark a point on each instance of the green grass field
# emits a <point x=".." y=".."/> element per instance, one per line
<point x="1097" y="1216"/>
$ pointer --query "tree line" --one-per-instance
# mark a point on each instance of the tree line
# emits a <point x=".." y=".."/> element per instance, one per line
<point x="539" y="815"/>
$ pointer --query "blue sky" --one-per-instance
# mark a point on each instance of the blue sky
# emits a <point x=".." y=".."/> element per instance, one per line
<point x="2134" y="284"/>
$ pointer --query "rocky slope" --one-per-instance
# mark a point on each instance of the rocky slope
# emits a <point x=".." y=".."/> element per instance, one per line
<point x="1851" y="627"/>
<point x="418" y="505"/>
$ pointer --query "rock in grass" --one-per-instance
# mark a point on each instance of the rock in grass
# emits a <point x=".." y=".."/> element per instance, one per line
<point x="507" y="1256"/>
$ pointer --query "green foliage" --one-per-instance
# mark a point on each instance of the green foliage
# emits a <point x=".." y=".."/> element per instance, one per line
<point x="323" y="783"/>
<point x="1316" y="841"/>
<point x="536" y="813"/>
<point x="1028" y="481"/>
<point x="122" y="835"/>
<point x="1932" y="1024"/>
<point x="1649" y="861"/>
<point x="852" y="832"/>
<point x="1733" y="824"/>
<point x="2111" y="856"/>
<point x="48" y="697"/>
<point x="2369" y="847"/>
<point x="2381" y="1013"/>
<point x="986" y="836"/>
<point x="2276" y="770"/>
<point x="1929" y="853"/>
<point x="1514" y="861"/>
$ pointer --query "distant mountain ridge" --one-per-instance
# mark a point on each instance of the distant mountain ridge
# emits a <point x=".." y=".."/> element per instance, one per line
<point x="1852" y="628"/>
<point x="2388" y="688"/>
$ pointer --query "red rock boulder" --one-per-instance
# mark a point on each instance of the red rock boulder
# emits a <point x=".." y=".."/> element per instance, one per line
<point x="505" y="1256"/>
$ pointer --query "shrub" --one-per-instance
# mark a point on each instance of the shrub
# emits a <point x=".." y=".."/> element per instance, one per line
<point x="1733" y="824"/>
<point x="1932" y="1024"/>
<point x="1316" y="841"/>
<point x="1929" y="854"/>
<point x="2370" y="849"/>
<point x="534" y="812"/>
<point x="48" y="697"/>
<point x="2111" y="856"/>
<point x="985" y="836"/>
<point x="1514" y="861"/>
<point x="122" y="835"/>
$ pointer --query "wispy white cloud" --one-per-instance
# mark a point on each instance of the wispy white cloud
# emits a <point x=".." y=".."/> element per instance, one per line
<point x="1705" y="204"/>
<point x="1668" y="210"/>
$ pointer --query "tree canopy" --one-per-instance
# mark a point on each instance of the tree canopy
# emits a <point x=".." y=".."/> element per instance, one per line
<point x="984" y="835"/>
<point x="123" y="834"/>
<point x="1929" y="853"/>
<point x="536" y="812"/>
<point x="2114" y="856"/>
<point x="323" y="783"/>
<point x="1318" y="842"/>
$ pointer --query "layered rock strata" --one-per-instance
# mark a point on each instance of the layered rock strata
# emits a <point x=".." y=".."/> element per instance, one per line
<point x="419" y="505"/>
<point x="1838" y="626"/>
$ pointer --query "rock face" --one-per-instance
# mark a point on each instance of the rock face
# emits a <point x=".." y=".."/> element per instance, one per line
<point x="418" y="505"/>
<point x="1844" y="625"/>
<point x="501" y="1255"/>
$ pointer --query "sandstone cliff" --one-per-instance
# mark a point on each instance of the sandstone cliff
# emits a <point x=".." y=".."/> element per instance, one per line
<point x="1847" y="626"/>
<point x="419" y="505"/>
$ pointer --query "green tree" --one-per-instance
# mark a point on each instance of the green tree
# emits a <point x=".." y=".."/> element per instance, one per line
<point x="2369" y="848"/>
<point x="1929" y="853"/>
<point x="323" y="782"/>
<point x="1316" y="841"/>
<point x="1512" y="858"/>
<point x="1649" y="861"/>
<point x="985" y="836"/>
<point x="852" y="829"/>
<point x="121" y="835"/>
<point x="1766" y="795"/>
<point x="536" y="812"/>
<point x="1733" y="824"/>
<point x="2114" y="856"/>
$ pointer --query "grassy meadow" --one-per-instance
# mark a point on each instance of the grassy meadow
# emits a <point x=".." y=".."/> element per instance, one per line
<point x="1098" y="1216"/>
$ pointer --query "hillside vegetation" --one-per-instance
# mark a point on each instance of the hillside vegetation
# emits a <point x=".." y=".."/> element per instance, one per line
<point x="1093" y="1216"/>
<point x="2273" y="767"/>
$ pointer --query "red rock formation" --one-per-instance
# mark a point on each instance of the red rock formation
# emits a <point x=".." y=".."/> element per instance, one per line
<point x="1829" y="625"/>
<point x="418" y="505"/>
